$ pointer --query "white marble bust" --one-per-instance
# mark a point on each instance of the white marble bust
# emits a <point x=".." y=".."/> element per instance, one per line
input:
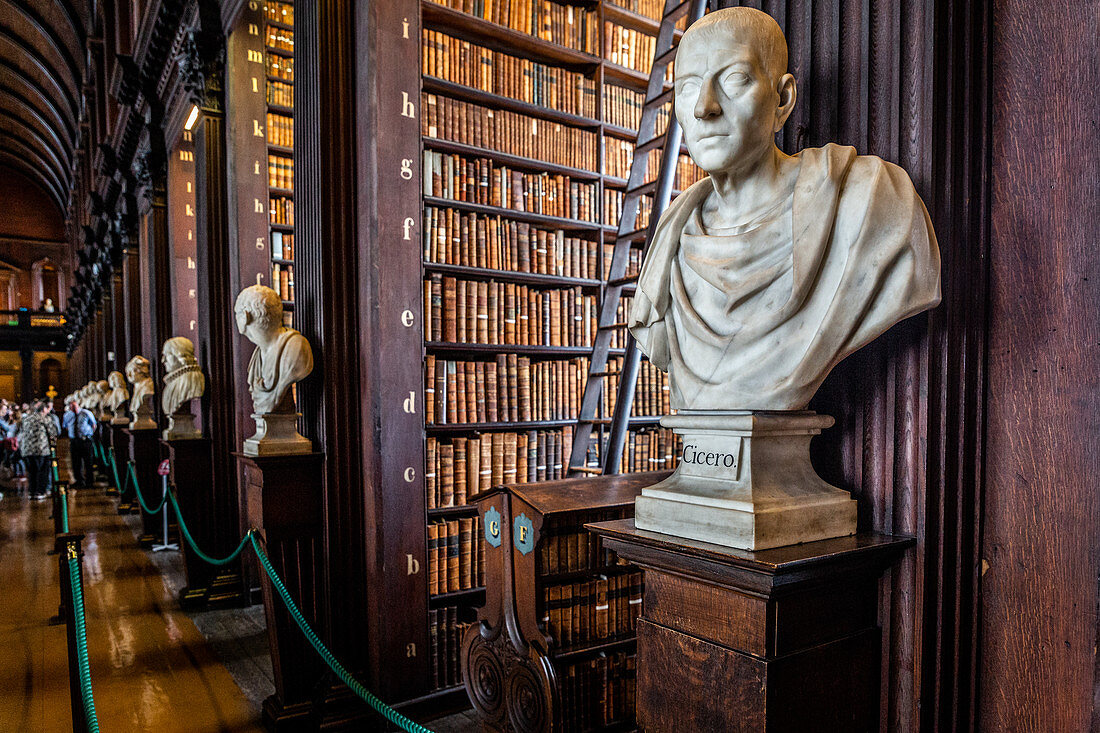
<point x="766" y="274"/>
<point x="760" y="278"/>
<point x="103" y="392"/>
<point x="118" y="397"/>
<point x="282" y="357"/>
<point x="183" y="382"/>
<point x="90" y="396"/>
<point x="141" y="401"/>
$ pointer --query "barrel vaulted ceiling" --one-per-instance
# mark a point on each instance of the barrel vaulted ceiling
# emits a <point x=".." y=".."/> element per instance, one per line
<point x="43" y="62"/>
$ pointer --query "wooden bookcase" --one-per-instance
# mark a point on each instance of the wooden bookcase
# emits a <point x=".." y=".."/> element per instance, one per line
<point x="279" y="95"/>
<point x="568" y="106"/>
<point x="554" y="647"/>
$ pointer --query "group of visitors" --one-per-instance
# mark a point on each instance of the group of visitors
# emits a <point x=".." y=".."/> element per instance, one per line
<point x="29" y="432"/>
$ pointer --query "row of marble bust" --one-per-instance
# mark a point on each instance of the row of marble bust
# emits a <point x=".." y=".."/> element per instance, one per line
<point x="282" y="357"/>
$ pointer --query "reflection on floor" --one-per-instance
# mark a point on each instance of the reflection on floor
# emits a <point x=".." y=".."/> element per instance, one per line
<point x="153" y="666"/>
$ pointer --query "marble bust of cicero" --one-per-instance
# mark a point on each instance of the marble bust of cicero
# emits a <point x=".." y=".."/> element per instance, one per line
<point x="282" y="357"/>
<point x="183" y="379"/>
<point x="763" y="276"/>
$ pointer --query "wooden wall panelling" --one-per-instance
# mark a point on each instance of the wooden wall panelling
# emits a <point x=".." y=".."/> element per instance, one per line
<point x="182" y="237"/>
<point x="1042" y="454"/>
<point x="133" y="308"/>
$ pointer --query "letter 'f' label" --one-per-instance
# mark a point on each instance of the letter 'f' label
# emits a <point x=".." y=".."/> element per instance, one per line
<point x="410" y="403"/>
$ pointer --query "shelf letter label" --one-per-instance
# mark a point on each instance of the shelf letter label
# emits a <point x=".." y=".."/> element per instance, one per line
<point x="410" y="650"/>
<point x="188" y="210"/>
<point x="253" y="29"/>
<point x="407" y="318"/>
<point x="259" y="206"/>
<point x="255" y="85"/>
<point x="408" y="224"/>
<point x="404" y="27"/>
<point x="259" y="242"/>
<point x="413" y="565"/>
<point x="255" y="56"/>
<point x="186" y="156"/>
<point x="523" y="534"/>
<point x="259" y="278"/>
<point x="256" y="168"/>
<point x="410" y="474"/>
<point x="408" y="109"/>
<point x="406" y="168"/>
<point x="257" y="131"/>
<point x="410" y="403"/>
<point x="492" y="527"/>
<point x="192" y="325"/>
<point x="190" y="263"/>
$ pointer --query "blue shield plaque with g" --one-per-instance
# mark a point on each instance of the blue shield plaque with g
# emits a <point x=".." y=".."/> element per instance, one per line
<point x="492" y="527"/>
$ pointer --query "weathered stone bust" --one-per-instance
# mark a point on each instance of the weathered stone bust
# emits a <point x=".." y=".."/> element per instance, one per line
<point x="90" y="396"/>
<point x="118" y="397"/>
<point x="759" y="280"/>
<point x="282" y="357"/>
<point x="141" y="403"/>
<point x="183" y="382"/>
<point x="103" y="391"/>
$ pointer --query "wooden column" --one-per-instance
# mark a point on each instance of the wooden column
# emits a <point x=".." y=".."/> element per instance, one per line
<point x="215" y="288"/>
<point x="145" y="454"/>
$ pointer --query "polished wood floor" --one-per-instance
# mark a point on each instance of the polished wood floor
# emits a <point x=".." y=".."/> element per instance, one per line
<point x="151" y="668"/>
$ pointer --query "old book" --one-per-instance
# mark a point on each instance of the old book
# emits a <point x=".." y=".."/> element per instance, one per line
<point x="433" y="560"/>
<point x="465" y="549"/>
<point x="431" y="485"/>
<point x="446" y="474"/>
<point x="452" y="556"/>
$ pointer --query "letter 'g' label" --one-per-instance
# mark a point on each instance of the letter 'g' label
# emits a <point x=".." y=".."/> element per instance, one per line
<point x="492" y="526"/>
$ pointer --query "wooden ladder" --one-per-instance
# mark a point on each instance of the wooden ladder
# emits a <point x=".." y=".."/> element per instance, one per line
<point x="657" y="96"/>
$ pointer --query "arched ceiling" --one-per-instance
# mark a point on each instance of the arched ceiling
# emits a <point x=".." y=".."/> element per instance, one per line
<point x="42" y="75"/>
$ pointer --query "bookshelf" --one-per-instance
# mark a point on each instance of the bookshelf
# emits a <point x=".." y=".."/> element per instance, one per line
<point x="278" y="18"/>
<point x="528" y="117"/>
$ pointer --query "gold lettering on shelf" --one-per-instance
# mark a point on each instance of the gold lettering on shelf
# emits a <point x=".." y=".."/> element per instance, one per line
<point x="410" y="475"/>
<point x="257" y="131"/>
<point x="407" y="318"/>
<point x="409" y="404"/>
<point x="255" y="56"/>
<point x="404" y="27"/>
<point x="253" y="4"/>
<point x="523" y="533"/>
<point x="406" y="168"/>
<point x="188" y="210"/>
<point x="410" y="650"/>
<point x="408" y="109"/>
<point x="255" y="85"/>
<point x="259" y="242"/>
<point x="256" y="168"/>
<point x="259" y="278"/>
<point x="192" y="324"/>
<point x="253" y="29"/>
<point x="190" y="263"/>
<point x="412" y="565"/>
<point x="258" y="206"/>
<point x="187" y="136"/>
<point x="408" y="224"/>
<point x="191" y="293"/>
<point x="187" y="156"/>
<point x="190" y="235"/>
<point x="189" y="187"/>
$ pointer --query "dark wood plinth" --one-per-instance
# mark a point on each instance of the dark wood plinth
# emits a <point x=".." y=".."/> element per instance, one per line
<point x="120" y="442"/>
<point x="281" y="496"/>
<point x="145" y="454"/>
<point x="101" y="471"/>
<point x="192" y="475"/>
<point x="771" y="641"/>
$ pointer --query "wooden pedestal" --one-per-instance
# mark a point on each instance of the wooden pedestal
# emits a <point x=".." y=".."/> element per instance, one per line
<point x="145" y="454"/>
<point x="208" y="586"/>
<point x="100" y="469"/>
<point x="282" y="497"/>
<point x="120" y="442"/>
<point x="770" y="641"/>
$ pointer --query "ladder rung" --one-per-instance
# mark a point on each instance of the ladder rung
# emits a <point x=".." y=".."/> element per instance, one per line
<point x="642" y="189"/>
<point x="613" y="326"/>
<point x="678" y="10"/>
<point x="590" y="470"/>
<point x="633" y="235"/>
<point x="663" y="60"/>
<point x="622" y="280"/>
<point x="651" y="144"/>
<point x="604" y="374"/>
<point x="661" y="99"/>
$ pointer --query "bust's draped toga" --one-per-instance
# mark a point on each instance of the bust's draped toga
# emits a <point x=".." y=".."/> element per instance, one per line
<point x="754" y="317"/>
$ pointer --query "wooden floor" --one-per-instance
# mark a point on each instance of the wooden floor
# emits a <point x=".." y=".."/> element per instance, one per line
<point x="151" y="668"/>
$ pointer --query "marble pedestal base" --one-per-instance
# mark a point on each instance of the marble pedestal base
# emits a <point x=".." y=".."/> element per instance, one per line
<point x="277" y="435"/>
<point x="181" y="426"/>
<point x="744" y="480"/>
<point x="143" y="416"/>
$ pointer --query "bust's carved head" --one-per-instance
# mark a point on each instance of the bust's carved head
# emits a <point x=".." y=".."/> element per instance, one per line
<point x="137" y="369"/>
<point x="178" y="351"/>
<point x="116" y="380"/>
<point x="733" y="92"/>
<point x="259" y="313"/>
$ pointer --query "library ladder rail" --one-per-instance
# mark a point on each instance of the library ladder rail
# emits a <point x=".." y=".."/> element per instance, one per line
<point x="657" y="96"/>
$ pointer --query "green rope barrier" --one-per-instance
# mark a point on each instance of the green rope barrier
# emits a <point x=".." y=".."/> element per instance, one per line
<point x="114" y="468"/>
<point x="382" y="708"/>
<point x="64" y="510"/>
<point x="132" y="476"/>
<point x="194" y="545"/>
<point x="83" y="667"/>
